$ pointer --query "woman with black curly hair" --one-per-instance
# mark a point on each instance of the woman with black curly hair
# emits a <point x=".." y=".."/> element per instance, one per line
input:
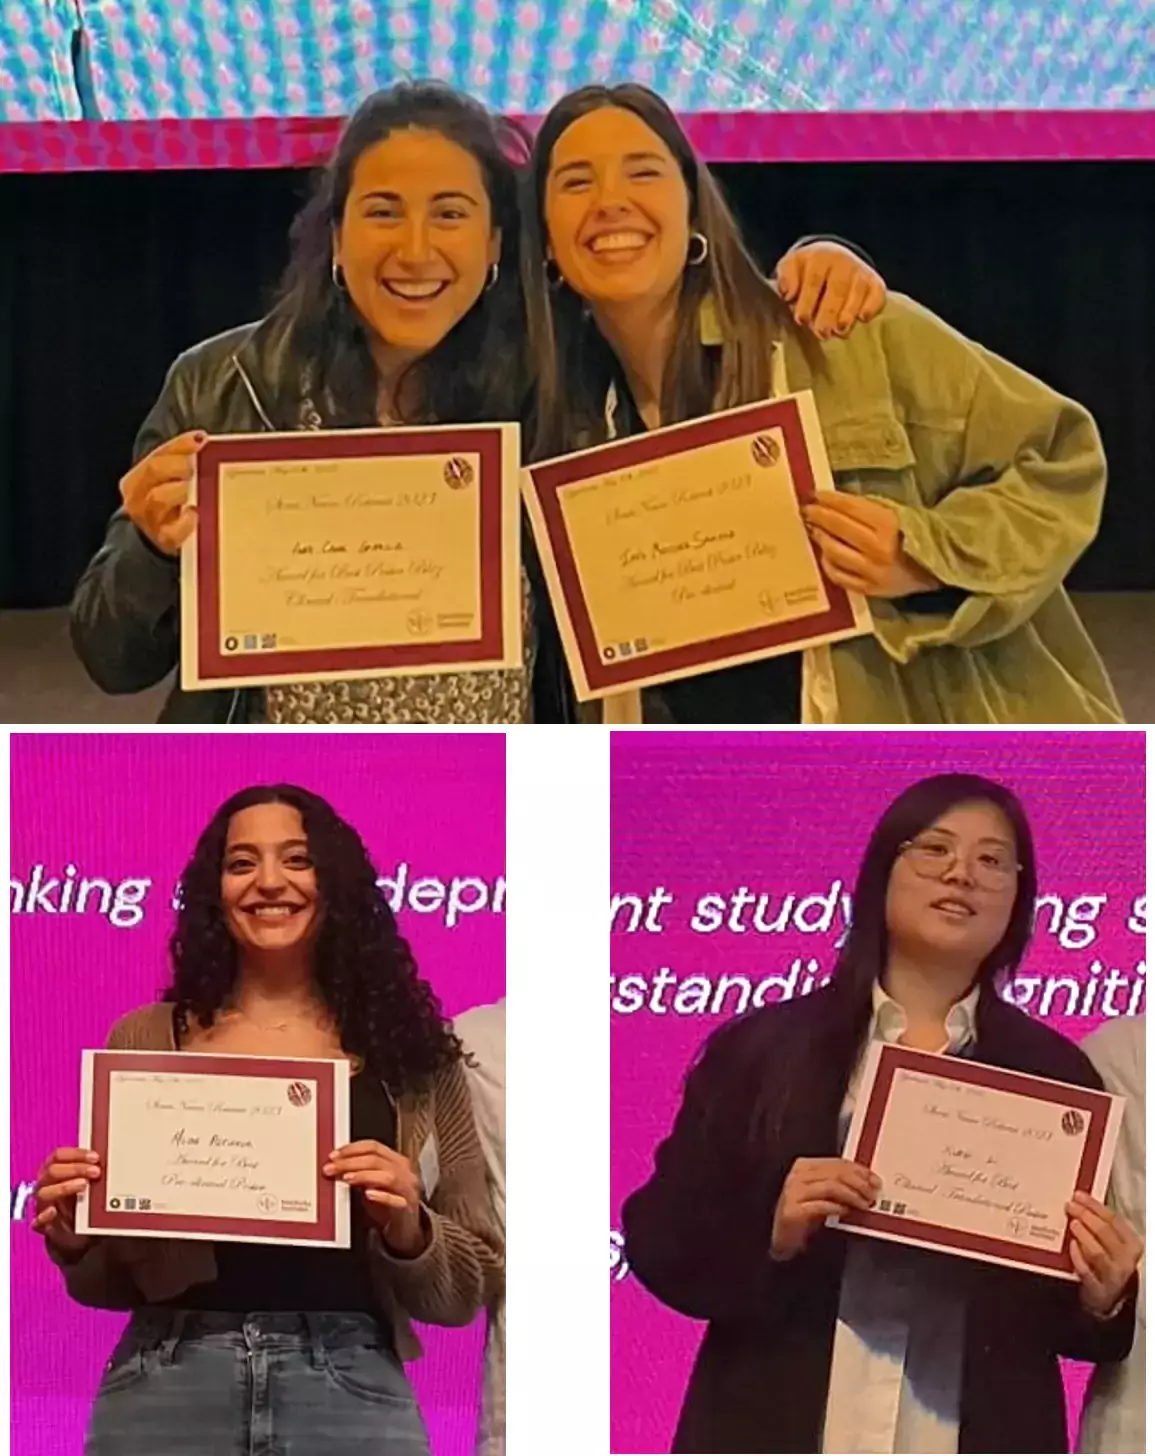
<point x="285" y="946"/>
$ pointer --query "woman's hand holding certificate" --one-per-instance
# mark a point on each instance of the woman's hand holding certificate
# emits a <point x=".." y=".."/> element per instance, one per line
<point x="1105" y="1251"/>
<point x="817" y="1189"/>
<point x="392" y="1192"/>
<point x="66" y="1174"/>
<point x="861" y="547"/>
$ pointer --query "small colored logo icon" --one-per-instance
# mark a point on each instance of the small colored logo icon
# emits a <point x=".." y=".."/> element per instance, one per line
<point x="419" y="624"/>
<point x="1072" y="1122"/>
<point x="299" y="1094"/>
<point x="267" y="1203"/>
<point x="765" y="451"/>
<point x="231" y="644"/>
<point x="458" y="473"/>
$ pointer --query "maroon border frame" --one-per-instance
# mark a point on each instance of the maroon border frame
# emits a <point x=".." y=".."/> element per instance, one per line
<point x="550" y="479"/>
<point x="213" y="664"/>
<point x="102" y="1219"/>
<point x="892" y="1058"/>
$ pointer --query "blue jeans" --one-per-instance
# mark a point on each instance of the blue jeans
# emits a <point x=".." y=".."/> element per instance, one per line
<point x="186" y="1383"/>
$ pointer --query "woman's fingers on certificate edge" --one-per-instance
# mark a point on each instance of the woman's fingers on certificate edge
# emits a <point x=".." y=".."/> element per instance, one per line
<point x="53" y="1192"/>
<point x="60" y="1171"/>
<point x="840" y="1194"/>
<point x="365" y="1145"/>
<point x="849" y="529"/>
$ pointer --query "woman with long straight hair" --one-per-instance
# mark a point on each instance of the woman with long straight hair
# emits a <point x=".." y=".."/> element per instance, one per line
<point x="285" y="946"/>
<point x="401" y="305"/>
<point x="820" y="1341"/>
<point x="966" y="489"/>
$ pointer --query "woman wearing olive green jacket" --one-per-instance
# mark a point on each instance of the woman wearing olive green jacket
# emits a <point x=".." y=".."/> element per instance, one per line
<point x="967" y="489"/>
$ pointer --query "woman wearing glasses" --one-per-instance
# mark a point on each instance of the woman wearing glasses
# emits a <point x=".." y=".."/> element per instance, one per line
<point x="821" y="1342"/>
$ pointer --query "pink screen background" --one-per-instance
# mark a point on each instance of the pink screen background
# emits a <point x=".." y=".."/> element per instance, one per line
<point x="131" y="807"/>
<point x="779" y="813"/>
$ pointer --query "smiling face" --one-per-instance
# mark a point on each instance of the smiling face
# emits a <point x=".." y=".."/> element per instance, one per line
<point x="952" y="891"/>
<point x="268" y="883"/>
<point x="616" y="210"/>
<point x="416" y="238"/>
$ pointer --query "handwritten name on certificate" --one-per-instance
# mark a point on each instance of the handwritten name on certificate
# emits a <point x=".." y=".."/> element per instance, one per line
<point x="975" y="1160"/>
<point x="685" y="549"/>
<point x="215" y="1147"/>
<point x="352" y="554"/>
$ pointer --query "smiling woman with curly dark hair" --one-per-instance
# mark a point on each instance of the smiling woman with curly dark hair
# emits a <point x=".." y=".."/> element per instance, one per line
<point x="286" y="946"/>
<point x="363" y="967"/>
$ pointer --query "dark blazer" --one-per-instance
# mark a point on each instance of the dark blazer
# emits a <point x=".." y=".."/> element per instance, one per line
<point x="698" y="1236"/>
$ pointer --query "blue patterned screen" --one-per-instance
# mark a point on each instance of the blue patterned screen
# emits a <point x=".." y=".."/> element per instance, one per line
<point x="148" y="59"/>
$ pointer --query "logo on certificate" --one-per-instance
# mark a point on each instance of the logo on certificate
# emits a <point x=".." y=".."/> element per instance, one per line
<point x="1072" y="1122"/>
<point x="231" y="644"/>
<point x="458" y="473"/>
<point x="765" y="450"/>
<point x="267" y="1203"/>
<point x="419" y="624"/>
<point x="299" y="1094"/>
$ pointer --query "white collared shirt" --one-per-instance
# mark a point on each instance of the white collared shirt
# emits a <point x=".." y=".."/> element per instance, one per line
<point x="896" y="1367"/>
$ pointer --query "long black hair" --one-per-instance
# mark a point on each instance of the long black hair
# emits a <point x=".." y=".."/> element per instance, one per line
<point x="847" y="1001"/>
<point x="477" y="372"/>
<point x="363" y="967"/>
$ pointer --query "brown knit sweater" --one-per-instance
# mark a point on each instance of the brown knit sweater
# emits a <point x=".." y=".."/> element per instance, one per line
<point x="461" y="1271"/>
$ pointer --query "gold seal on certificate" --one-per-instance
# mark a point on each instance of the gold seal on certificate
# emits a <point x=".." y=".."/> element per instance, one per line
<point x="684" y="549"/>
<point x="352" y="554"/>
<point x="975" y="1160"/>
<point x="200" y="1146"/>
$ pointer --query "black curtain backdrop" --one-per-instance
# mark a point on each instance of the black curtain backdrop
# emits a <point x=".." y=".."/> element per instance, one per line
<point x="106" y="277"/>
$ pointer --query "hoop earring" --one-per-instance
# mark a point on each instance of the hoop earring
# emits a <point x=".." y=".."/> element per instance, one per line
<point x="491" y="277"/>
<point x="338" y="277"/>
<point x="703" y="243"/>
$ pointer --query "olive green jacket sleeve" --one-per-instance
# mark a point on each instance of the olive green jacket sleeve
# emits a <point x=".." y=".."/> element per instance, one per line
<point x="1012" y="477"/>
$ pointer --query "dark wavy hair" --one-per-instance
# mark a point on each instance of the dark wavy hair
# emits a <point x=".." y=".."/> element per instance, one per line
<point x="363" y="967"/>
<point x="847" y="1000"/>
<point x="477" y="372"/>
<point x="572" y="362"/>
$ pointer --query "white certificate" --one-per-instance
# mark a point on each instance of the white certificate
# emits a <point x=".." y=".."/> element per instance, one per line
<point x="211" y="1146"/>
<point x="976" y="1160"/>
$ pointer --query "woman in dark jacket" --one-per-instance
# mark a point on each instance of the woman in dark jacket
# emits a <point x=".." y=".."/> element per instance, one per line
<point x="806" y="1324"/>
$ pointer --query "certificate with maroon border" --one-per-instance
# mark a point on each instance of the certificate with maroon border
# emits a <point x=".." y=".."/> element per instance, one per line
<point x="195" y="1145"/>
<point x="975" y="1160"/>
<point x="352" y="554"/>
<point x="684" y="549"/>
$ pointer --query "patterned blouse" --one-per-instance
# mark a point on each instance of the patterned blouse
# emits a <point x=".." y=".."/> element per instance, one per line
<point x="488" y="696"/>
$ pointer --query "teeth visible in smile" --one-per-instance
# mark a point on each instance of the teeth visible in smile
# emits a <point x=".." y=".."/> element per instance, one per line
<point x="272" y="912"/>
<point x="415" y="290"/>
<point x="618" y="242"/>
<point x="954" y="908"/>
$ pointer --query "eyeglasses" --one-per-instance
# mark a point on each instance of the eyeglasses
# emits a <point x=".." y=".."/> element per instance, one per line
<point x="933" y="855"/>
